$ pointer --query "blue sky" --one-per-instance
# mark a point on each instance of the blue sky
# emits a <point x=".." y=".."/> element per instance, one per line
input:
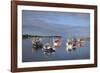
<point x="43" y="22"/>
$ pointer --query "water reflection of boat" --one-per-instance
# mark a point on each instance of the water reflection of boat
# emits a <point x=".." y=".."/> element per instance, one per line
<point x="48" y="53"/>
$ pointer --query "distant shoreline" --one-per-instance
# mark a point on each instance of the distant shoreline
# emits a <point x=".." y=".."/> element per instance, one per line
<point x="30" y="36"/>
<point x="26" y="36"/>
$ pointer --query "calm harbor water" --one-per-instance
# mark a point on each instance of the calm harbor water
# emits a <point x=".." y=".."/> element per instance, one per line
<point x="55" y="23"/>
<point x="30" y="54"/>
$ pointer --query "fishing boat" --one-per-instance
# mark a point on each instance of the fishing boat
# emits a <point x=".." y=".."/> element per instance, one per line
<point x="71" y="44"/>
<point x="48" y="48"/>
<point x="36" y="43"/>
<point x="57" y="42"/>
<point x="36" y="39"/>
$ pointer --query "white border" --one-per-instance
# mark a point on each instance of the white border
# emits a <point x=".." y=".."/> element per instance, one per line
<point x="52" y="63"/>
